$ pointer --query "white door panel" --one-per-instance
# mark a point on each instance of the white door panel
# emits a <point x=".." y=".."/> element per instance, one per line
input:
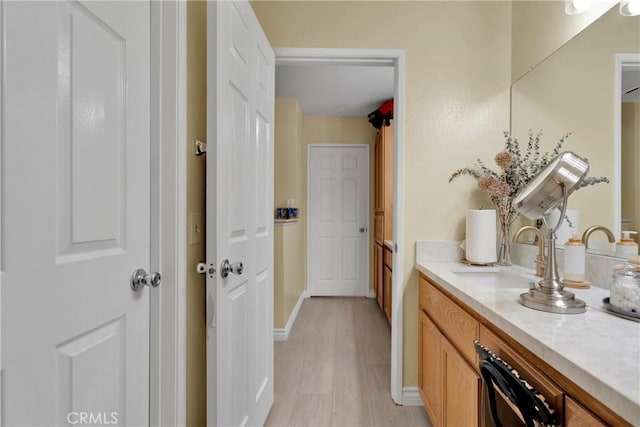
<point x="338" y="210"/>
<point x="240" y="114"/>
<point x="75" y="177"/>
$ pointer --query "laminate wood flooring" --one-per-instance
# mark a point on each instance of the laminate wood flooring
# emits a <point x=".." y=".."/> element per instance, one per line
<point x="334" y="370"/>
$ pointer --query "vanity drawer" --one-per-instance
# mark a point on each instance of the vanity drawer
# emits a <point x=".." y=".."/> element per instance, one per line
<point x="458" y="325"/>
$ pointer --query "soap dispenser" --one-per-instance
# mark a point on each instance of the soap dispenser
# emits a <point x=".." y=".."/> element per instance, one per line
<point x="574" y="262"/>
<point x="627" y="246"/>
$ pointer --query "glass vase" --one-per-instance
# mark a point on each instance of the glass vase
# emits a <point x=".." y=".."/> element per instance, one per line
<point x="504" y="248"/>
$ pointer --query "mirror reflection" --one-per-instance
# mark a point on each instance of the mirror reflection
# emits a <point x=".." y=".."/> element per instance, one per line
<point x="589" y="87"/>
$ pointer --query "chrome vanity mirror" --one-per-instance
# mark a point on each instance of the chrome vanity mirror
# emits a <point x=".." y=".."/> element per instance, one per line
<point x="549" y="189"/>
<point x="582" y="88"/>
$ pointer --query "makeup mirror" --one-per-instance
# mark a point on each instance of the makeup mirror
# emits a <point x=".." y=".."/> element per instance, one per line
<point x="548" y="190"/>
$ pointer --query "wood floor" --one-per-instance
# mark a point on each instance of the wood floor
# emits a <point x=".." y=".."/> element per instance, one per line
<point x="334" y="370"/>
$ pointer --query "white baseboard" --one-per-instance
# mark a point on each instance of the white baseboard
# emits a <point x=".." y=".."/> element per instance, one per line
<point x="280" y="334"/>
<point x="371" y="293"/>
<point x="411" y="397"/>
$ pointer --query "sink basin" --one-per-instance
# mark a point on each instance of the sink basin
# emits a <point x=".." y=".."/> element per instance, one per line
<point x="495" y="279"/>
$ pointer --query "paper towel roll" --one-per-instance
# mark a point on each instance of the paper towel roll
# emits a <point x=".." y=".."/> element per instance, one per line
<point x="480" y="244"/>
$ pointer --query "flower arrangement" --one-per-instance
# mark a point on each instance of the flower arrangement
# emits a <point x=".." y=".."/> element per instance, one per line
<point x="516" y="170"/>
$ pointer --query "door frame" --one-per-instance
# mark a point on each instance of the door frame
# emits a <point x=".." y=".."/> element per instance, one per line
<point x="168" y="160"/>
<point x="167" y="334"/>
<point x="396" y="59"/>
<point x="367" y="149"/>
<point x="168" y="306"/>
<point x="622" y="61"/>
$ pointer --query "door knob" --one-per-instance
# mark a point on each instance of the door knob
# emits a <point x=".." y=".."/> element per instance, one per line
<point x="227" y="267"/>
<point x="140" y="278"/>
<point x="363" y="229"/>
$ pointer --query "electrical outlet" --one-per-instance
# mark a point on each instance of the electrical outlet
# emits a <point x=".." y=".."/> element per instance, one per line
<point x="195" y="228"/>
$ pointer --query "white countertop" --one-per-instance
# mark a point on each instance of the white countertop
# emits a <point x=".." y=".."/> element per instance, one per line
<point x="596" y="350"/>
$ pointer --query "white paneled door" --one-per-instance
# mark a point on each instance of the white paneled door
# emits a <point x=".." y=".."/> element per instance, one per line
<point x="338" y="194"/>
<point x="240" y="111"/>
<point x="75" y="212"/>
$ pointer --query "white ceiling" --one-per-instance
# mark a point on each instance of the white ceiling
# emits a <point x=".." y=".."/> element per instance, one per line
<point x="355" y="91"/>
<point x="335" y="90"/>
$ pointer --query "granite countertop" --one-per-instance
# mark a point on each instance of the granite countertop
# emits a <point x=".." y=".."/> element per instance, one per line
<point x="596" y="350"/>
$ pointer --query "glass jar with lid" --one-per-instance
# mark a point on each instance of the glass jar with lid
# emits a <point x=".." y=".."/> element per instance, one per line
<point x="625" y="289"/>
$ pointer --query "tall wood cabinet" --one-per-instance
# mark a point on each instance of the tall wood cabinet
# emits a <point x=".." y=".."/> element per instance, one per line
<point x="387" y="281"/>
<point x="383" y="184"/>
<point x="383" y="215"/>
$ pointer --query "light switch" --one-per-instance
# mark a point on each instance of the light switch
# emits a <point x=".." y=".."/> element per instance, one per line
<point x="195" y="228"/>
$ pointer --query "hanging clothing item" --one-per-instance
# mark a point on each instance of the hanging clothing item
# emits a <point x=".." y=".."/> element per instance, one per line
<point x="384" y="114"/>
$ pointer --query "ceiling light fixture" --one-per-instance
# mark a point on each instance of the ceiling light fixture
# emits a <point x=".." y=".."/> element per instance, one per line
<point x="575" y="7"/>
<point x="630" y="7"/>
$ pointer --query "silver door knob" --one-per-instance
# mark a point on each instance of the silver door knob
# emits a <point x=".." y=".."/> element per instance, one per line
<point x="363" y="229"/>
<point x="227" y="267"/>
<point x="140" y="278"/>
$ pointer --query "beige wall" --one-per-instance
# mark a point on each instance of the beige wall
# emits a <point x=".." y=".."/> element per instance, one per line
<point x="289" y="262"/>
<point x="288" y="151"/>
<point x="540" y="27"/>
<point x="631" y="164"/>
<point x="457" y="101"/>
<point x="196" y="129"/>
<point x="293" y="132"/>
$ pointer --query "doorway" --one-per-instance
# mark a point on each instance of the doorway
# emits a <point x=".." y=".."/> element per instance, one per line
<point x="376" y="58"/>
<point x="626" y="151"/>
<point x="338" y="201"/>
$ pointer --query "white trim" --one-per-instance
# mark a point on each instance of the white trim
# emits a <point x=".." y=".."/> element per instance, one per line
<point x="167" y="350"/>
<point x="367" y="148"/>
<point x="280" y="334"/>
<point x="622" y="60"/>
<point x="371" y="293"/>
<point x="397" y="290"/>
<point x="395" y="58"/>
<point x="329" y="56"/>
<point x="2" y="142"/>
<point x="411" y="397"/>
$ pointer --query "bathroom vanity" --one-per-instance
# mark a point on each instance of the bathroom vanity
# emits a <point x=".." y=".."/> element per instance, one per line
<point x="585" y="365"/>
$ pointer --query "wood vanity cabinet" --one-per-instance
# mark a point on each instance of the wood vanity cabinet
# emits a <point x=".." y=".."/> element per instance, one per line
<point x="448" y="375"/>
<point x="461" y="388"/>
<point x="430" y="367"/>
<point x="578" y="416"/>
<point x="448" y="382"/>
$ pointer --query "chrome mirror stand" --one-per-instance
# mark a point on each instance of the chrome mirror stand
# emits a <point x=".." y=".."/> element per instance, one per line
<point x="549" y="295"/>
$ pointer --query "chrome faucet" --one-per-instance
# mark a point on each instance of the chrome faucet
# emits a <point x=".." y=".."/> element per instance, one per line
<point x="541" y="260"/>
<point x="588" y="231"/>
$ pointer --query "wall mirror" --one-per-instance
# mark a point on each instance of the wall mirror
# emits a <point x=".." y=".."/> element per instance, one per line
<point x="579" y="89"/>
